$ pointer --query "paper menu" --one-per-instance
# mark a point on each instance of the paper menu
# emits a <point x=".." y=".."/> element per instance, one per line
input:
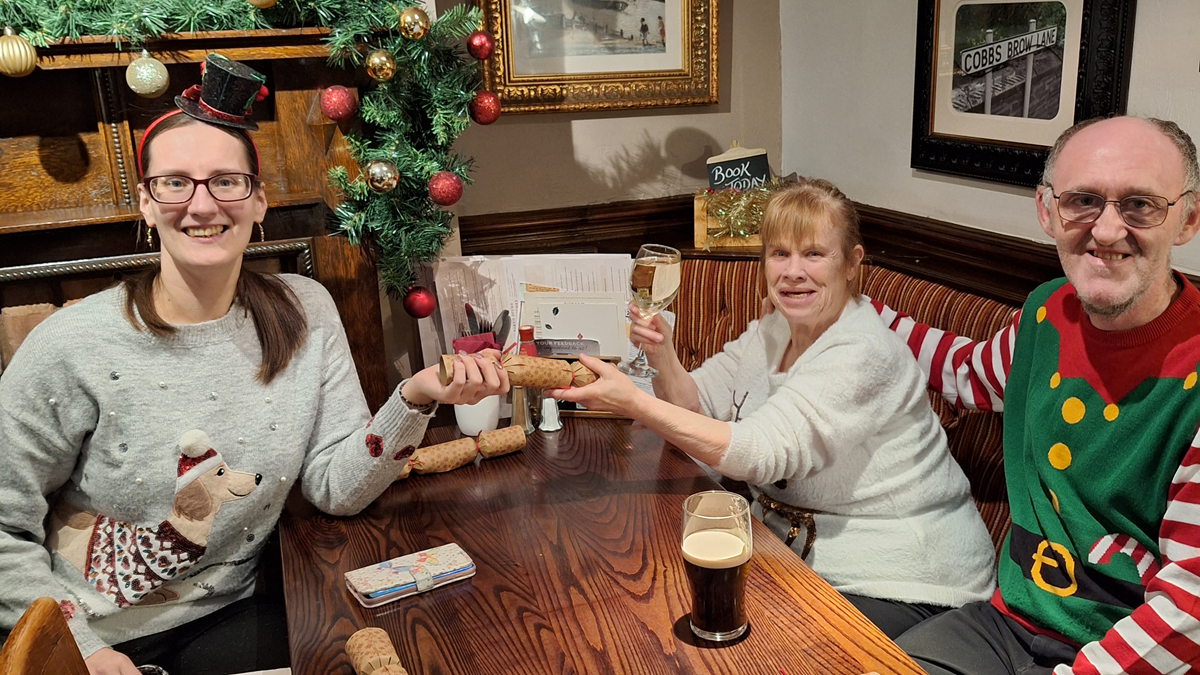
<point x="494" y="283"/>
<point x="602" y="317"/>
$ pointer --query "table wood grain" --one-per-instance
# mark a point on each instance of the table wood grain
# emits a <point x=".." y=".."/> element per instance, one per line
<point x="576" y="542"/>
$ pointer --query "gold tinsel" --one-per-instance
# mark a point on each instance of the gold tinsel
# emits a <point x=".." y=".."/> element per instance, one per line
<point x="736" y="213"/>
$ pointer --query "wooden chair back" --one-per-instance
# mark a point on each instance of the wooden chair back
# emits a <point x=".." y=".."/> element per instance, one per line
<point x="41" y="644"/>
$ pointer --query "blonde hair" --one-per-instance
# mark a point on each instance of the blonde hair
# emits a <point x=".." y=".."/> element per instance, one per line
<point x="795" y="214"/>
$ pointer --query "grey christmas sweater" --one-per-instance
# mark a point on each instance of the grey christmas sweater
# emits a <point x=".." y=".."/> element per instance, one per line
<point x="140" y="476"/>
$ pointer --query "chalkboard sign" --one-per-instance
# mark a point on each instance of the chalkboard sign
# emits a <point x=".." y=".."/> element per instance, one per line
<point x="739" y="169"/>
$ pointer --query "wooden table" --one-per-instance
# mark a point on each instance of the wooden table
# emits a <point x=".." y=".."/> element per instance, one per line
<point x="576" y="541"/>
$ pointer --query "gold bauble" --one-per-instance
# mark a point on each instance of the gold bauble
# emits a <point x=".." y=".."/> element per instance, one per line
<point x="18" y="58"/>
<point x="147" y="76"/>
<point x="382" y="175"/>
<point x="414" y="23"/>
<point x="263" y="4"/>
<point x="381" y="65"/>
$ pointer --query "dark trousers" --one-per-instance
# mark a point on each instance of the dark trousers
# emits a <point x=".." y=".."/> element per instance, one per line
<point x="247" y="635"/>
<point x="976" y="639"/>
<point x="891" y="616"/>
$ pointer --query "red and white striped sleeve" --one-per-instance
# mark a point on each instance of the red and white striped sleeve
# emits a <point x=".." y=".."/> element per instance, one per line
<point x="969" y="374"/>
<point x="1163" y="634"/>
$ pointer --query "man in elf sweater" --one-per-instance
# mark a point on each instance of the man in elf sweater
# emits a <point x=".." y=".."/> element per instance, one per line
<point x="1097" y="379"/>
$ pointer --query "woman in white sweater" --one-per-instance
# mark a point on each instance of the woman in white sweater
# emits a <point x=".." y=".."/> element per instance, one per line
<point x="823" y="411"/>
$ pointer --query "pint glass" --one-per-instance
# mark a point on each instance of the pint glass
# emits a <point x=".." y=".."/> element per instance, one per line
<point x="717" y="546"/>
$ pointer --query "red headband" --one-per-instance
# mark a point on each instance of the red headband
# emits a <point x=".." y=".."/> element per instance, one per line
<point x="142" y="142"/>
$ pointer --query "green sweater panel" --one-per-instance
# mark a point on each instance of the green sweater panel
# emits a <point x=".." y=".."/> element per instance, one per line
<point x="1079" y="468"/>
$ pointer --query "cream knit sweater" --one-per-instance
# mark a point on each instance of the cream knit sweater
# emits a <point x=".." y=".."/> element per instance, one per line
<point x="848" y="431"/>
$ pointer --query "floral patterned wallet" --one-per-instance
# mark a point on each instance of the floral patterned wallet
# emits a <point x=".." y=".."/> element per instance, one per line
<point x="407" y="575"/>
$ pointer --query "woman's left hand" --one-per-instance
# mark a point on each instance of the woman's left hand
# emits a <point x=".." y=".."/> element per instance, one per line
<point x="613" y="392"/>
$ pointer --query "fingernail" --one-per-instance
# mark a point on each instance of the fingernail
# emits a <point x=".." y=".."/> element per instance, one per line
<point x="461" y="353"/>
<point x="479" y="357"/>
<point x="458" y="358"/>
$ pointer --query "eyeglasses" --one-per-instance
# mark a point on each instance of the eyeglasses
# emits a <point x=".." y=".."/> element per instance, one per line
<point x="225" y="187"/>
<point x="1135" y="210"/>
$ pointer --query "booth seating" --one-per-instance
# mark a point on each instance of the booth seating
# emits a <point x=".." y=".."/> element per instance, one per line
<point x="719" y="296"/>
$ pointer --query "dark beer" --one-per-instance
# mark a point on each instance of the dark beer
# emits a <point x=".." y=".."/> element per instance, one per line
<point x="717" y="562"/>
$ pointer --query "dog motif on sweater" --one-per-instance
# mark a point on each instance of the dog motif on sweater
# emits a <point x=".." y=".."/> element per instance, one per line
<point x="128" y="563"/>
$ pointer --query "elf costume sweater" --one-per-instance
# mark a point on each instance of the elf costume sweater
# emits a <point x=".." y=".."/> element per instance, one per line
<point x="1102" y="464"/>
<point x="140" y="475"/>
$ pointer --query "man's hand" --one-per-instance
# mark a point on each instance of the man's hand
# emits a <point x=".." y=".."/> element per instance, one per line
<point x="108" y="662"/>
<point x="612" y="392"/>
<point x="475" y="378"/>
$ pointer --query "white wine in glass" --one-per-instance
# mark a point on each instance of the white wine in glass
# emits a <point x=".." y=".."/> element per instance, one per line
<point x="655" y="283"/>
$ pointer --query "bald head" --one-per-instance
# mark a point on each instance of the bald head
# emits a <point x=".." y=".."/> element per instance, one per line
<point x="1168" y="147"/>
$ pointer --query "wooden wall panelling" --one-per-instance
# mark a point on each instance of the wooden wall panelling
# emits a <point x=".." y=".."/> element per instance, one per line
<point x="120" y="156"/>
<point x="977" y="261"/>
<point x="98" y="52"/>
<point x="52" y="151"/>
<point x="350" y="278"/>
<point x="306" y="134"/>
<point x="619" y="227"/>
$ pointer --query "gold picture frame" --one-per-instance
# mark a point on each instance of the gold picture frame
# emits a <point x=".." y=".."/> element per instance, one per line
<point x="603" y="56"/>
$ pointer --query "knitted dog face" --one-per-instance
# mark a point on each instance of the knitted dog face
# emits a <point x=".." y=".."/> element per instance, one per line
<point x="200" y="499"/>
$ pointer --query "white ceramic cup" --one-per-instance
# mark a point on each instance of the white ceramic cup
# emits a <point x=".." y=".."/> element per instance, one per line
<point x="480" y="417"/>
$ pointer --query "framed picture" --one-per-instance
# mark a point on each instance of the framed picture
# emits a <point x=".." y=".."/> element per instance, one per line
<point x="997" y="81"/>
<point x="571" y="55"/>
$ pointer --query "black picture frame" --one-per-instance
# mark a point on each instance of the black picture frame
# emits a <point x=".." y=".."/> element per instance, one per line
<point x="1105" y="51"/>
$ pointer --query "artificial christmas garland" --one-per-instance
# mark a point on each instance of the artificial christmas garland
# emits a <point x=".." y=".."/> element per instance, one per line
<point x="426" y="90"/>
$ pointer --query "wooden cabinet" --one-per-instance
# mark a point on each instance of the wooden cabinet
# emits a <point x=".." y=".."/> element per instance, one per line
<point x="68" y="173"/>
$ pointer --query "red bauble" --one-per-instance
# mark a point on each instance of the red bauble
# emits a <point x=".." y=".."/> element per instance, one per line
<point x="445" y="188"/>
<point x="481" y="44"/>
<point x="485" y="107"/>
<point x="338" y="103"/>
<point x="419" y="302"/>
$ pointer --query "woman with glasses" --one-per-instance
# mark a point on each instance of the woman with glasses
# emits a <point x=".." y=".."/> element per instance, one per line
<point x="151" y="432"/>
<point x="824" y="413"/>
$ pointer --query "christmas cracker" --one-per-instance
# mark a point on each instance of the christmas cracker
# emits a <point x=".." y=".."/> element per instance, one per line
<point x="449" y="456"/>
<point x="444" y="456"/>
<point x="531" y="372"/>
<point x="371" y="651"/>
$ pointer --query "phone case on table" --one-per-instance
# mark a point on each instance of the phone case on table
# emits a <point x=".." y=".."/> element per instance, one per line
<point x="407" y="575"/>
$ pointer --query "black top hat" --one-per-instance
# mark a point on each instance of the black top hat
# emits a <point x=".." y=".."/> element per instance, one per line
<point x="225" y="94"/>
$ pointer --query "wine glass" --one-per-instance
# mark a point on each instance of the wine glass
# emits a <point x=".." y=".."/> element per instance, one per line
<point x="655" y="282"/>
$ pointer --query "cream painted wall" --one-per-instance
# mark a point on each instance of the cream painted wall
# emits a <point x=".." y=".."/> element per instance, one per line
<point x="847" y="91"/>
<point x="528" y="162"/>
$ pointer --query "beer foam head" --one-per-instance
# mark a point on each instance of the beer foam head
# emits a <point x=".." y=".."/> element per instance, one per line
<point x="716" y="549"/>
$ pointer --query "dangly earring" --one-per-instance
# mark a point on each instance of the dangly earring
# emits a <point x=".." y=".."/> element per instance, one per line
<point x="149" y="236"/>
<point x="262" y="233"/>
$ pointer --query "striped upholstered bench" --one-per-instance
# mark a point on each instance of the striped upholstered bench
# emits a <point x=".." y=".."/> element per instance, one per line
<point x="718" y="298"/>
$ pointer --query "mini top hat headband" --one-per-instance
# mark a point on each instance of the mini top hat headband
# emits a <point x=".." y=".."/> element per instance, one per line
<point x="225" y="95"/>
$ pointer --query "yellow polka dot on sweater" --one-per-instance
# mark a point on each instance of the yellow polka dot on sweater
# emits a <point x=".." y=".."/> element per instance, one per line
<point x="1111" y="411"/>
<point x="1059" y="456"/>
<point x="1041" y="314"/>
<point x="1054" y="501"/>
<point x="1189" y="381"/>
<point x="1054" y="380"/>
<point x="1073" y="410"/>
